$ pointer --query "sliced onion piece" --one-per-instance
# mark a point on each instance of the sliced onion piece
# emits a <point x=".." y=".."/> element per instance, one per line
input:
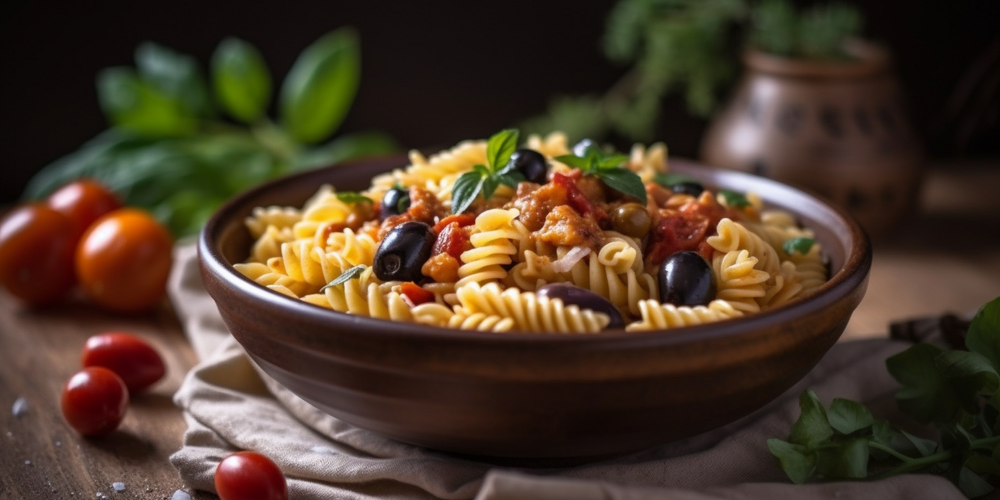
<point x="567" y="261"/>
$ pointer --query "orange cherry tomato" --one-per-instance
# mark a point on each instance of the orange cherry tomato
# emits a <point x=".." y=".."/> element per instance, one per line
<point x="83" y="201"/>
<point x="94" y="401"/>
<point x="248" y="475"/>
<point x="123" y="261"/>
<point x="130" y="357"/>
<point x="36" y="254"/>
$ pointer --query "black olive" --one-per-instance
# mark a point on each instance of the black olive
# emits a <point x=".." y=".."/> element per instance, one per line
<point x="403" y="252"/>
<point x="396" y="201"/>
<point x="584" y="299"/>
<point x="687" y="187"/>
<point x="531" y="164"/>
<point x="580" y="149"/>
<point x="686" y="279"/>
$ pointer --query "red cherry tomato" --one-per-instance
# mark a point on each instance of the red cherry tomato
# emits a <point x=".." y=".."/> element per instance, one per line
<point x="248" y="475"/>
<point x="131" y="358"/>
<point x="94" y="401"/>
<point x="123" y="261"/>
<point x="36" y="254"/>
<point x="83" y="201"/>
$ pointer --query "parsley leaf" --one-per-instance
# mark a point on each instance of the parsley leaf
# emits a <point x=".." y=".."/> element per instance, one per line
<point x="798" y="244"/>
<point x="352" y="197"/>
<point x="956" y="390"/>
<point x="485" y="179"/>
<point x="734" y="199"/>
<point x="350" y="274"/>
<point x="607" y="168"/>
<point x="672" y="179"/>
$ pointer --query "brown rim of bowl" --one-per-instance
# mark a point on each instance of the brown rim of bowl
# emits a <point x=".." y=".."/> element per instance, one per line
<point x="853" y="273"/>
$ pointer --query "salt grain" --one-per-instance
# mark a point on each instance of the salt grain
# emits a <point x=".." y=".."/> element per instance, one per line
<point x="118" y="486"/>
<point x="181" y="495"/>
<point x="20" y="407"/>
<point x="27" y="462"/>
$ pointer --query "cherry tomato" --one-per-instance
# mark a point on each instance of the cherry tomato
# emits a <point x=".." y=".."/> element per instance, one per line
<point x="123" y="261"/>
<point x="248" y="475"/>
<point x="130" y="357"/>
<point x="94" y="401"/>
<point x="36" y="254"/>
<point x="83" y="201"/>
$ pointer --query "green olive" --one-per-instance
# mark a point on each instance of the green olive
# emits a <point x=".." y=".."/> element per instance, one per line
<point x="631" y="219"/>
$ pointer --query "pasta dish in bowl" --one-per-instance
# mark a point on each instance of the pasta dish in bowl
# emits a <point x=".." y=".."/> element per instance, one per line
<point x="534" y="299"/>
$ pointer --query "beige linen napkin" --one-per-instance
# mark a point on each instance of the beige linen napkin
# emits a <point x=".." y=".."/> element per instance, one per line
<point x="230" y="405"/>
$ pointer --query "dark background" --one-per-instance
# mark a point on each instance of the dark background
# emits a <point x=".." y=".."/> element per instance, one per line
<point x="433" y="73"/>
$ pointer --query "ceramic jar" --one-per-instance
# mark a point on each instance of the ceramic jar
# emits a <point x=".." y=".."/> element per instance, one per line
<point x="835" y="128"/>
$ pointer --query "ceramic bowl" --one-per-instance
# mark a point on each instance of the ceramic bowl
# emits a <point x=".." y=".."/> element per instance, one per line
<point x="522" y="396"/>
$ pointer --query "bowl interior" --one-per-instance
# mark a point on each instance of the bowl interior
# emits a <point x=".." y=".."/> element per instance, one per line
<point x="527" y="395"/>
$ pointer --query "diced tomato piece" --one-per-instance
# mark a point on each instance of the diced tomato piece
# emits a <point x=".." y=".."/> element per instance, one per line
<point x="462" y="220"/>
<point x="574" y="196"/>
<point x="415" y="293"/>
<point x="676" y="232"/>
<point x="453" y="240"/>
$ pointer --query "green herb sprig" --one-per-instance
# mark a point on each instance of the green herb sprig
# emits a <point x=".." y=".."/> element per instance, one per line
<point x="734" y="199"/>
<point x="798" y="244"/>
<point x="485" y="179"/>
<point x="958" y="391"/>
<point x="608" y="168"/>
<point x="348" y="274"/>
<point x="353" y="197"/>
<point x="170" y="150"/>
<point x="686" y="47"/>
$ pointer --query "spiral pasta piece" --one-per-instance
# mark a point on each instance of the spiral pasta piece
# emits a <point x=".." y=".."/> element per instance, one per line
<point x="738" y="282"/>
<point x="529" y="311"/>
<point x="491" y="239"/>
<point x="656" y="316"/>
<point x="262" y="218"/>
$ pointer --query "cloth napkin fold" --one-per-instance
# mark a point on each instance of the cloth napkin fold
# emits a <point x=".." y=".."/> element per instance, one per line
<point x="230" y="405"/>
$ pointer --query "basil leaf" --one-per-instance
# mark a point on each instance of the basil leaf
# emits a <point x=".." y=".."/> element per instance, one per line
<point x="346" y="276"/>
<point x="133" y="104"/>
<point x="847" y="417"/>
<point x="241" y="80"/>
<point x="511" y="179"/>
<point x="465" y="190"/>
<point x="612" y="161"/>
<point x="318" y="90"/>
<point x="983" y="336"/>
<point x="175" y="75"/>
<point x="574" y="161"/>
<point x="734" y="199"/>
<point x="624" y="181"/>
<point x="672" y="179"/>
<point x="490" y="184"/>
<point x="798" y="244"/>
<point x="352" y="197"/>
<point x="500" y="147"/>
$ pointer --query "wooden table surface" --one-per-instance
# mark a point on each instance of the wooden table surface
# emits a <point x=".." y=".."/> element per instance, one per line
<point x="946" y="259"/>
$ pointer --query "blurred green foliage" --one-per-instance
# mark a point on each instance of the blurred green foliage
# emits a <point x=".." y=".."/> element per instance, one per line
<point x="691" y="47"/>
<point x="170" y="150"/>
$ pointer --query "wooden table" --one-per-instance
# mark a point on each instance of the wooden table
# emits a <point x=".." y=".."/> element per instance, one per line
<point x="947" y="259"/>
